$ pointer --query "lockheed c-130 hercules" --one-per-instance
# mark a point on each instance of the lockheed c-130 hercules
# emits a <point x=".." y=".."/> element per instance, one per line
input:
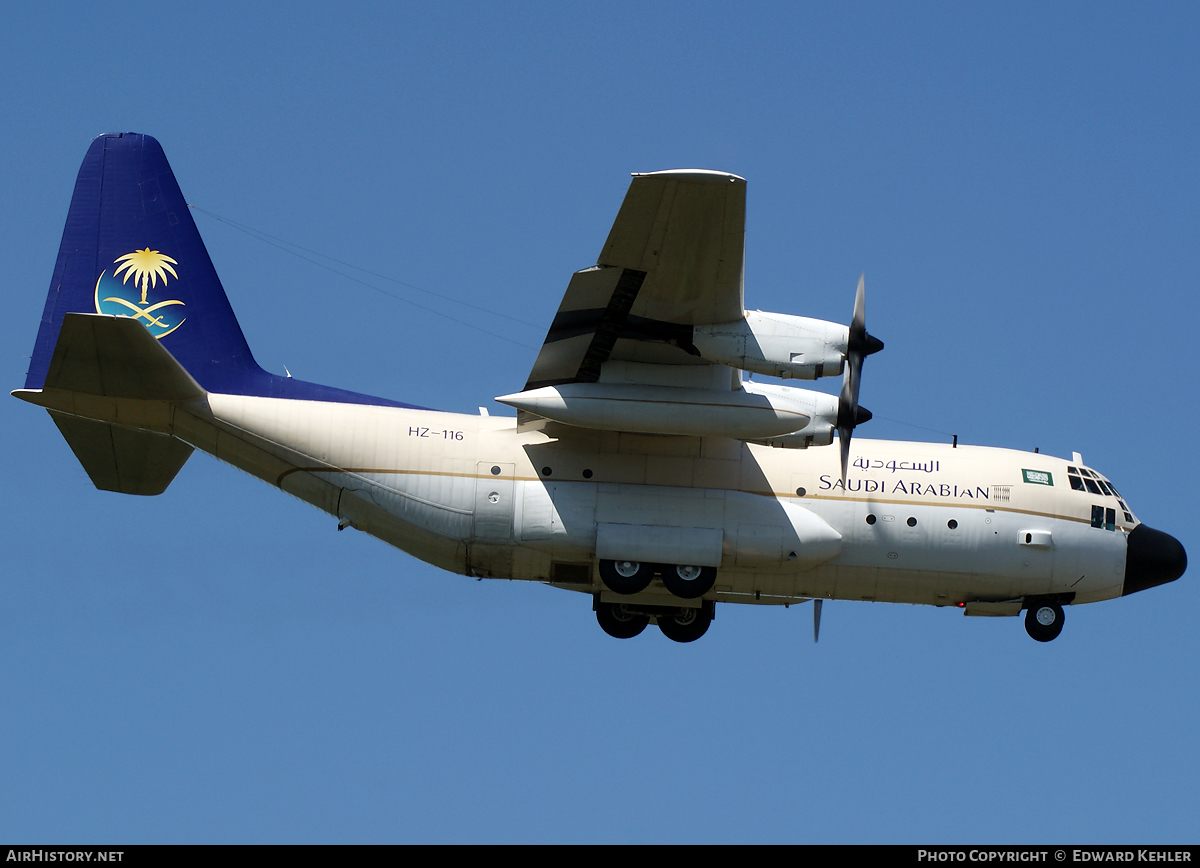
<point x="642" y="468"/>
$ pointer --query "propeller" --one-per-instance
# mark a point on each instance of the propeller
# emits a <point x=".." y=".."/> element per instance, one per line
<point x="817" y="618"/>
<point x="858" y="347"/>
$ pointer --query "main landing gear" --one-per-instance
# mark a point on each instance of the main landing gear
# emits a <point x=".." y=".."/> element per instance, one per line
<point x="620" y="621"/>
<point x="1044" y="620"/>
<point x="688" y="582"/>
<point x="687" y="625"/>
<point x="626" y="577"/>
<point x="680" y="624"/>
<point x="683" y="580"/>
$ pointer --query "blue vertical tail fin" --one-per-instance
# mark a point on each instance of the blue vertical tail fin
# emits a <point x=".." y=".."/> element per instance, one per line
<point x="131" y="248"/>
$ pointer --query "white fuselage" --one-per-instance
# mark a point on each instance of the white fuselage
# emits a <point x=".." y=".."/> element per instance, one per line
<point x="915" y="523"/>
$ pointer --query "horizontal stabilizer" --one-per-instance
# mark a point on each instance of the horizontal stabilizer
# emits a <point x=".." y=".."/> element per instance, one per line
<point x="123" y="459"/>
<point x="116" y="357"/>
<point x="106" y="369"/>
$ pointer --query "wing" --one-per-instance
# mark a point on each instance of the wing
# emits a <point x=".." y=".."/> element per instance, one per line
<point x="673" y="260"/>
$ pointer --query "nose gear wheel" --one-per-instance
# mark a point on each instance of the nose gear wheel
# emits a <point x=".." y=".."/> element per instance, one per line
<point x="1044" y="621"/>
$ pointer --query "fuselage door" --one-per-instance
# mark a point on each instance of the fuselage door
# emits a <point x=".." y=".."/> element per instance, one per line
<point x="1036" y="551"/>
<point x="494" y="501"/>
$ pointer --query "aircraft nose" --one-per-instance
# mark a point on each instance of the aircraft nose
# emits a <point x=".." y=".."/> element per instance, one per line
<point x="1153" y="558"/>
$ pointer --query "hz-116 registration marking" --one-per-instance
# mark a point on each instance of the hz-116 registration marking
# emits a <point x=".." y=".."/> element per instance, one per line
<point x="445" y="434"/>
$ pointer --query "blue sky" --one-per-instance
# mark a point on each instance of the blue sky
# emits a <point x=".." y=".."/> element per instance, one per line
<point x="1019" y="183"/>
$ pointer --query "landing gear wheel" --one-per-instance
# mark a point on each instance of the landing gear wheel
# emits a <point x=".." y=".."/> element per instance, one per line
<point x="618" y="622"/>
<point x="688" y="582"/>
<point x="625" y="577"/>
<point x="1044" y="621"/>
<point x="686" y="625"/>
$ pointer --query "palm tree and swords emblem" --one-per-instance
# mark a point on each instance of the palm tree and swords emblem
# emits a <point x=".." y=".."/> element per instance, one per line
<point x="147" y="267"/>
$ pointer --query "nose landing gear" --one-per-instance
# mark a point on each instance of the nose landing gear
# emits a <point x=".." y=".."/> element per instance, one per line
<point x="1044" y="621"/>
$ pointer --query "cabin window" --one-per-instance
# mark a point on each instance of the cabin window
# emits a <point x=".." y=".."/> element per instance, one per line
<point x="912" y="521"/>
<point x="870" y="519"/>
<point x="1097" y="516"/>
<point x="1092" y="486"/>
<point x="1110" y="519"/>
<point x="952" y="524"/>
<point x="1073" y="478"/>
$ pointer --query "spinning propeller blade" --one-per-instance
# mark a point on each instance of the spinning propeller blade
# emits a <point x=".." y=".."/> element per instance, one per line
<point x="858" y="347"/>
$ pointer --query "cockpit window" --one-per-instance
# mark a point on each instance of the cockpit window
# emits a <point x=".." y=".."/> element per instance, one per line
<point x="1096" y="484"/>
<point x="1082" y="479"/>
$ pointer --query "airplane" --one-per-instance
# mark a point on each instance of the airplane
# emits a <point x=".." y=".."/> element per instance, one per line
<point x="642" y="468"/>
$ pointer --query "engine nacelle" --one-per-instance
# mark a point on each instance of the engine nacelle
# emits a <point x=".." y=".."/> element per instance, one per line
<point x="776" y="344"/>
<point x="821" y="409"/>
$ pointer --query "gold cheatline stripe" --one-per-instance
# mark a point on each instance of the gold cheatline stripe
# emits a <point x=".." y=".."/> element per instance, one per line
<point x="793" y="496"/>
<point x="953" y="503"/>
